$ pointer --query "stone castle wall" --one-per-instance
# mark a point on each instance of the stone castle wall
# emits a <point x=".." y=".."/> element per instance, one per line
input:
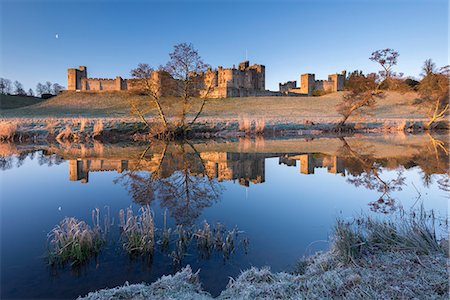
<point x="244" y="81"/>
<point x="309" y="84"/>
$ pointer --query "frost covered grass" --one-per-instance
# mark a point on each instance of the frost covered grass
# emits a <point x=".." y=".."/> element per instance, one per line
<point x="415" y="232"/>
<point x="138" y="232"/>
<point x="368" y="259"/>
<point x="73" y="241"/>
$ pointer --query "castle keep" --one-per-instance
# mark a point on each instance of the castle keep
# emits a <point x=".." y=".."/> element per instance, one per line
<point x="309" y="84"/>
<point x="222" y="82"/>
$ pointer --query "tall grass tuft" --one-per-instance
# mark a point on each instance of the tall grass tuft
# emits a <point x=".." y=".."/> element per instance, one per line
<point x="414" y="232"/>
<point x="98" y="128"/>
<point x="138" y="232"/>
<point x="73" y="241"/>
<point x="218" y="238"/>
<point x="260" y="125"/>
<point x="245" y="124"/>
<point x="8" y="130"/>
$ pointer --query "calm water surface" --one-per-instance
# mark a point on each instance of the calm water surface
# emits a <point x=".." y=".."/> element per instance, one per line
<point x="283" y="196"/>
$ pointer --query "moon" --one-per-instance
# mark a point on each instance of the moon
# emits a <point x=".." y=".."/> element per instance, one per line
<point x="57" y="36"/>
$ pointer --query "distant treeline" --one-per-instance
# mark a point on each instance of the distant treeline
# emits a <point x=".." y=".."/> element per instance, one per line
<point x="7" y="87"/>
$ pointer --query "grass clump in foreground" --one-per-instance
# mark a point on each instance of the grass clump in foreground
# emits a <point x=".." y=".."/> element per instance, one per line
<point x="138" y="232"/>
<point x="415" y="233"/>
<point x="368" y="259"/>
<point x="73" y="241"/>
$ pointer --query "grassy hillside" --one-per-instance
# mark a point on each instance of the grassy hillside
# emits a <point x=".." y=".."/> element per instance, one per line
<point x="14" y="101"/>
<point x="283" y="109"/>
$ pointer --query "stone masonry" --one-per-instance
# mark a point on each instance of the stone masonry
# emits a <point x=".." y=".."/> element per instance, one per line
<point x="222" y="82"/>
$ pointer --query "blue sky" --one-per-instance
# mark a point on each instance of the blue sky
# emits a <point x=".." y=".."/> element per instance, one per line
<point x="288" y="37"/>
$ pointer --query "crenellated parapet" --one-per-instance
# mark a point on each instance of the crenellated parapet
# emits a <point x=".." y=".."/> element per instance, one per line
<point x="309" y="84"/>
<point x="246" y="80"/>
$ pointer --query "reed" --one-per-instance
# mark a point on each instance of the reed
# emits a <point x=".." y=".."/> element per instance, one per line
<point x="73" y="241"/>
<point x="414" y="232"/>
<point x="138" y="232"/>
<point x="219" y="239"/>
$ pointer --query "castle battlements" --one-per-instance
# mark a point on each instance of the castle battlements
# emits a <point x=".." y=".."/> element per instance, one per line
<point x="309" y="84"/>
<point x="246" y="80"/>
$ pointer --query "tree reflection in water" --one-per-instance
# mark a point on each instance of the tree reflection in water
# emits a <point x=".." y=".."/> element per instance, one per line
<point x="179" y="182"/>
<point x="366" y="171"/>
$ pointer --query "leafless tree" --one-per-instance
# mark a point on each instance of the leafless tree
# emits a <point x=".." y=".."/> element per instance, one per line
<point x="18" y="88"/>
<point x="5" y="86"/>
<point x="387" y="58"/>
<point x="30" y="92"/>
<point x="434" y="96"/>
<point x="428" y="68"/>
<point x="151" y="86"/>
<point x="361" y="92"/>
<point x="183" y="79"/>
<point x="187" y="67"/>
<point x="57" y="88"/>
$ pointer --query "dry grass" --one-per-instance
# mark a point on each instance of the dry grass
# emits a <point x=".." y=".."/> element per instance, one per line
<point x="98" y="128"/>
<point x="8" y="130"/>
<point x="274" y="109"/>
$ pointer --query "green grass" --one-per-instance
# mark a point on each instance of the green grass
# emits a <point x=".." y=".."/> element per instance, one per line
<point x="14" y="101"/>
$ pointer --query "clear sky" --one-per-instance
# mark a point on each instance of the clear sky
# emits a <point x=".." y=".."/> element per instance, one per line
<point x="288" y="37"/>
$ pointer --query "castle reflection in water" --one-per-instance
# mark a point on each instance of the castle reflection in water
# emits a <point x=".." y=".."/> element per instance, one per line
<point x="245" y="168"/>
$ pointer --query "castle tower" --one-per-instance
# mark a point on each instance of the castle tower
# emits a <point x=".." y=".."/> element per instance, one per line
<point x="307" y="82"/>
<point x="74" y="77"/>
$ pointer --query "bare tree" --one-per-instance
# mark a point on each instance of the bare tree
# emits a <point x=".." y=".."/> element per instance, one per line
<point x="39" y="89"/>
<point x="30" y="92"/>
<point x="428" y="68"/>
<point x="5" y="86"/>
<point x="183" y="78"/>
<point x="152" y="87"/>
<point x="187" y="68"/>
<point x="48" y="87"/>
<point x="434" y="96"/>
<point x="18" y="88"/>
<point x="57" y="88"/>
<point x="44" y="88"/>
<point x="361" y="92"/>
<point x="387" y="58"/>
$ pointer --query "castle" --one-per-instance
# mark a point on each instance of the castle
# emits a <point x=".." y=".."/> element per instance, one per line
<point x="309" y="84"/>
<point x="222" y="82"/>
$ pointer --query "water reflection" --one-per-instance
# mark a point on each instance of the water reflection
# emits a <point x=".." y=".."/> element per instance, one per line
<point x="179" y="179"/>
<point x="184" y="177"/>
<point x="285" y="194"/>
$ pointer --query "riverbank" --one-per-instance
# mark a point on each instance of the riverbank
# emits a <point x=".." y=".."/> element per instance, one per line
<point x="368" y="259"/>
<point x="80" y="116"/>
